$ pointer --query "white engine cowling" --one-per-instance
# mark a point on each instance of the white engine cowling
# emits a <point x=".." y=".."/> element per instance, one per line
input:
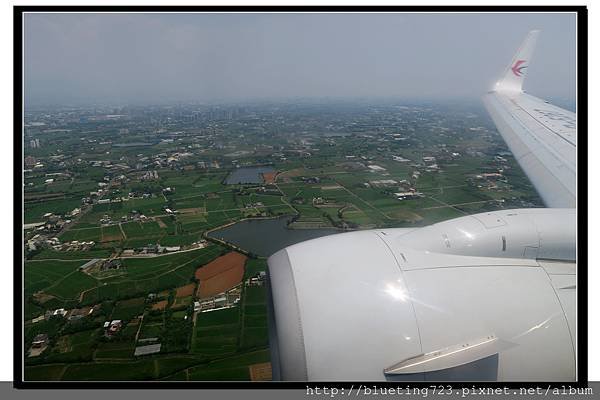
<point x="402" y="304"/>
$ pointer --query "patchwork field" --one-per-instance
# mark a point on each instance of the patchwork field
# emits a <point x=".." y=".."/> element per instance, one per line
<point x="59" y="278"/>
<point x="255" y="332"/>
<point x="62" y="279"/>
<point x="216" y="333"/>
<point x="152" y="274"/>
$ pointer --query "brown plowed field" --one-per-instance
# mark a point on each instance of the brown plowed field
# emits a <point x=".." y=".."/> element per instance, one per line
<point x="261" y="372"/>
<point x="220" y="274"/>
<point x="111" y="238"/>
<point x="269" y="177"/>
<point x="161" y="305"/>
<point x="186" y="290"/>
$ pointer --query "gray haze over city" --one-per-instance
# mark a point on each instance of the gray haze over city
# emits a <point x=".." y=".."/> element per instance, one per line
<point x="157" y="58"/>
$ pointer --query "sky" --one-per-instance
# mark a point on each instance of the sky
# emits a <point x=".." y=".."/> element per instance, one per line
<point x="160" y="58"/>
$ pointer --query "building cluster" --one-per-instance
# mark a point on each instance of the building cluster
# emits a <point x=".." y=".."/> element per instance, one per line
<point x="268" y="189"/>
<point x="149" y="176"/>
<point x="491" y="181"/>
<point x="132" y="216"/>
<point x="112" y="264"/>
<point x="311" y="179"/>
<point x="413" y="194"/>
<point x="34" y="143"/>
<point x="75" y="245"/>
<point x="155" y="249"/>
<point x="51" y="223"/>
<point x="150" y="249"/>
<point x="228" y="299"/>
<point x="178" y="160"/>
<point x="257" y="204"/>
<point x="400" y="159"/>
<point x="41" y="241"/>
<point x="429" y="164"/>
<point x="493" y="178"/>
<point x="39" y="344"/>
<point x="257" y="280"/>
<point x="324" y="202"/>
<point x="30" y="161"/>
<point x="71" y="314"/>
<point x="376" y="168"/>
<point x="111" y="328"/>
<point x="101" y="265"/>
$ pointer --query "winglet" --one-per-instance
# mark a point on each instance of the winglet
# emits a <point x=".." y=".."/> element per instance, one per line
<point x="512" y="80"/>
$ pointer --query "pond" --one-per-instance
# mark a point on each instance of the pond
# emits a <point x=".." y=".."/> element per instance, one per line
<point x="266" y="236"/>
<point x="247" y="175"/>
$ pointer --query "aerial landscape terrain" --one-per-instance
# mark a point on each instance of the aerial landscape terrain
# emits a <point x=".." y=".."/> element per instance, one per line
<point x="147" y="228"/>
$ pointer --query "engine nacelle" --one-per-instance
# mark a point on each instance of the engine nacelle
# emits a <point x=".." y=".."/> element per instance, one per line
<point x="452" y="301"/>
<point x="547" y="233"/>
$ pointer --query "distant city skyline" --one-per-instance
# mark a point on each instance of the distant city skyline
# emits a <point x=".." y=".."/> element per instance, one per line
<point x="160" y="58"/>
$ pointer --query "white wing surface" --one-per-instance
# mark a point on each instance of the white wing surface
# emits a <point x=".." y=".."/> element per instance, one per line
<point x="541" y="136"/>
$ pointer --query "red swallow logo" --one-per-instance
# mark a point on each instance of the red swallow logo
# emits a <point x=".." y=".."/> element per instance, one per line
<point x="518" y="68"/>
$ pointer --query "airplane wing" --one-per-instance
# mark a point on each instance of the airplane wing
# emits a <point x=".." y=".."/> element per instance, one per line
<point x="541" y="136"/>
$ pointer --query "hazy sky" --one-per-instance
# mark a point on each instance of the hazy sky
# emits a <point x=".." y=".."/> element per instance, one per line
<point x="130" y="58"/>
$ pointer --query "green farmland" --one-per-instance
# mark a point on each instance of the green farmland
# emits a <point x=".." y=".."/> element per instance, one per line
<point x="142" y="191"/>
